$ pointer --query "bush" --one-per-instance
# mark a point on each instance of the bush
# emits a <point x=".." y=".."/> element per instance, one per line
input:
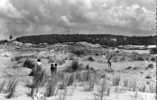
<point x="148" y="77"/>
<point x="132" y="85"/>
<point x="28" y="63"/>
<point x="90" y="59"/>
<point x="78" y="52"/>
<point x="140" y="58"/>
<point x="17" y="58"/>
<point x="153" y="51"/>
<point x="83" y="76"/>
<point x="39" y="79"/>
<point x="51" y="87"/>
<point x="73" y="67"/>
<point x="135" y="68"/>
<point x="128" y="68"/>
<point x="126" y="83"/>
<point x="150" y="66"/>
<point x="136" y="56"/>
<point x="70" y="80"/>
<point x="153" y="59"/>
<point x="116" y="81"/>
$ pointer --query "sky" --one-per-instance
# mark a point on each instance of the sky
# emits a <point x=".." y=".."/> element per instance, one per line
<point x="120" y="17"/>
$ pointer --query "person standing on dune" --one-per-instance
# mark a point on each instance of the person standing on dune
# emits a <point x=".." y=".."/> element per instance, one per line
<point x="109" y="62"/>
<point x="39" y="62"/>
<point x="53" y="68"/>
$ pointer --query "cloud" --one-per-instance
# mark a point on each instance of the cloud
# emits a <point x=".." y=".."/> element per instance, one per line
<point x="126" y="17"/>
<point x="65" y="21"/>
<point x="7" y="9"/>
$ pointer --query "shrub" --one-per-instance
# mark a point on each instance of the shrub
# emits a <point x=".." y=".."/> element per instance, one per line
<point x="153" y="88"/>
<point x="51" y="87"/>
<point x="128" y="68"/>
<point x="96" y="54"/>
<point x="141" y="72"/>
<point x="17" y="58"/>
<point x="126" y="83"/>
<point x="135" y="68"/>
<point x="104" y="88"/>
<point x="91" y="80"/>
<point x="28" y="63"/>
<point x="90" y="59"/>
<point x="70" y="80"/>
<point x="153" y="59"/>
<point x="73" y="67"/>
<point x="153" y="51"/>
<point x="140" y="58"/>
<point x="116" y="81"/>
<point x="150" y="66"/>
<point x="136" y="56"/>
<point x="62" y="96"/>
<point x="132" y="85"/>
<point x="148" y="77"/>
<point x="78" y="52"/>
<point x="84" y="75"/>
<point x="39" y="79"/>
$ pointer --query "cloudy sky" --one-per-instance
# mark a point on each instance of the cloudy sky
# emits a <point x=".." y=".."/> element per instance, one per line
<point x="126" y="17"/>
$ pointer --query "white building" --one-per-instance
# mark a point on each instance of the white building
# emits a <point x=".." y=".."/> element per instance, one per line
<point x="151" y="46"/>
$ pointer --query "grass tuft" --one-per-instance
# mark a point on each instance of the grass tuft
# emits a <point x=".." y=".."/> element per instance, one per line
<point x="11" y="88"/>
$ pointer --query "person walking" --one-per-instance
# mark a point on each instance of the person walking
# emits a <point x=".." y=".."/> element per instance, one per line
<point x="53" y="68"/>
<point x="109" y="62"/>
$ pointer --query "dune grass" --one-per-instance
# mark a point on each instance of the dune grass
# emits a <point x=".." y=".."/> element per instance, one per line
<point x="11" y="88"/>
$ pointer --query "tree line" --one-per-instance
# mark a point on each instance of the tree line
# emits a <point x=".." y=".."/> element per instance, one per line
<point x="103" y="39"/>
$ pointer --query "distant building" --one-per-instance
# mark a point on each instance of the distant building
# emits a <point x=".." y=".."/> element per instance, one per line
<point x="133" y="46"/>
<point x="114" y="39"/>
<point x="151" y="46"/>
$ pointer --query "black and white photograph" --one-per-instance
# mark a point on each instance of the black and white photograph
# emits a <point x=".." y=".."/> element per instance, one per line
<point x="78" y="50"/>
